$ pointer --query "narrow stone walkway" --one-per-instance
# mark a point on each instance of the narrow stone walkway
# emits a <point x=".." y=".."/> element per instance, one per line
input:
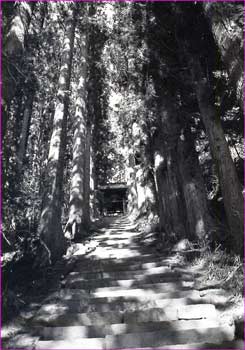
<point x="119" y="296"/>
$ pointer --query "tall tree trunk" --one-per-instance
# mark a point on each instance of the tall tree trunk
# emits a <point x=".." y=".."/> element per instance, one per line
<point x="75" y="223"/>
<point x="87" y="176"/>
<point x="199" y="220"/>
<point x="93" y="208"/>
<point x="13" y="50"/>
<point x="227" y="22"/>
<point x="158" y="190"/>
<point x="172" y="210"/>
<point x="50" y="229"/>
<point x="170" y="199"/>
<point x="229" y="182"/>
<point x="152" y="161"/>
<point x="132" y="207"/>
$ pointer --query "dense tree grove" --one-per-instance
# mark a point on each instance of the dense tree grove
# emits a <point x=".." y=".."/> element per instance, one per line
<point x="147" y="93"/>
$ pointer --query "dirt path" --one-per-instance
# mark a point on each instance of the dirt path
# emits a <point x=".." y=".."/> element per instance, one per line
<point x="119" y="296"/>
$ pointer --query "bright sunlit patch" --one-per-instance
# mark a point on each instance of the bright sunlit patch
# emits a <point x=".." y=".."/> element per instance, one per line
<point x="125" y="283"/>
<point x="200" y="229"/>
<point x="158" y="160"/>
<point x="109" y="11"/>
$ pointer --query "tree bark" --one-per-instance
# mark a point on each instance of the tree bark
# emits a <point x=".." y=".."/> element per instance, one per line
<point x="13" y="50"/>
<point x="199" y="220"/>
<point x="227" y="21"/>
<point x="50" y="229"/>
<point x="93" y="205"/>
<point x="140" y="178"/>
<point x="15" y="41"/>
<point x="87" y="176"/>
<point x="229" y="182"/>
<point x="74" y="227"/>
<point x="132" y="206"/>
<point x="171" y="202"/>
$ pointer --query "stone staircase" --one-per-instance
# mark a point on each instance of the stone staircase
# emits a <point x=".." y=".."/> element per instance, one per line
<point x="119" y="297"/>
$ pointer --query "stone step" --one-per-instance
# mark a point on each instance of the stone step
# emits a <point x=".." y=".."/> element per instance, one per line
<point x="19" y="341"/>
<point x="86" y="306"/>
<point x="161" y="271"/>
<point x="120" y="288"/>
<point x="119" y="273"/>
<point x="115" y="238"/>
<point x="116" y="244"/>
<point x="143" y="258"/>
<point x="77" y="344"/>
<point x="75" y="302"/>
<point x="145" y="339"/>
<point x="169" y="337"/>
<point x="171" y="313"/>
<point x="145" y="288"/>
<point x="102" y="240"/>
<point x="25" y="341"/>
<point x="138" y="280"/>
<point x="116" y="233"/>
<point x="235" y="344"/>
<point x="70" y="333"/>
<point x="109" y="256"/>
<point x="60" y="316"/>
<point x="63" y="319"/>
<point x="91" y="266"/>
<point x="105" y="237"/>
<point x="136" y="295"/>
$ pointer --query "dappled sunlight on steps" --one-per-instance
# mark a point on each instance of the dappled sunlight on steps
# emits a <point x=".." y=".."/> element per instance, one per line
<point x="119" y="297"/>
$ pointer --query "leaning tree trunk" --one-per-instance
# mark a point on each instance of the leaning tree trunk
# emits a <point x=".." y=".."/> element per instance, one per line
<point x="227" y="22"/>
<point x="74" y="227"/>
<point x="50" y="229"/>
<point x="229" y="182"/>
<point x="15" y="41"/>
<point x="13" y="50"/>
